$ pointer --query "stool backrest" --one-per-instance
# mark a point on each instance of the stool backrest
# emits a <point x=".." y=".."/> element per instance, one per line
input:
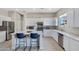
<point x="20" y="35"/>
<point x="34" y="35"/>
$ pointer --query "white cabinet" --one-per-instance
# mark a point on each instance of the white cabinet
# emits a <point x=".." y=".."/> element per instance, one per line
<point x="0" y="22"/>
<point x="2" y="36"/>
<point x="74" y="45"/>
<point x="54" y="22"/>
<point x="47" y="32"/>
<point x="70" y="19"/>
<point x="55" y="35"/>
<point x="66" y="43"/>
<point x="76" y="18"/>
<point x="73" y="18"/>
<point x="70" y="44"/>
<point x="49" y="22"/>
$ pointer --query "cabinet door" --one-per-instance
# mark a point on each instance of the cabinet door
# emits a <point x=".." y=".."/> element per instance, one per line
<point x="54" y="22"/>
<point x="76" y="20"/>
<point x="74" y="45"/>
<point x="66" y="43"/>
<point x="70" y="18"/>
<point x="0" y="21"/>
<point x="55" y="35"/>
<point x="49" y="22"/>
<point x="2" y="36"/>
<point x="47" y="33"/>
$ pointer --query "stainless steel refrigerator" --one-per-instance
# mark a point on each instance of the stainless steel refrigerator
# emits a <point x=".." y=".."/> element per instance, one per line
<point x="9" y="27"/>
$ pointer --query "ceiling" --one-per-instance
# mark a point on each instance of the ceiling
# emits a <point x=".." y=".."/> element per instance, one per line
<point x="33" y="10"/>
<point x="39" y="10"/>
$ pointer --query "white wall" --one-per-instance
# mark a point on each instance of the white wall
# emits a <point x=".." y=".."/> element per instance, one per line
<point x="4" y="16"/>
<point x="3" y="12"/>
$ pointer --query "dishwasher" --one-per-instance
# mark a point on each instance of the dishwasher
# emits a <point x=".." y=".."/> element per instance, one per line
<point x="60" y="40"/>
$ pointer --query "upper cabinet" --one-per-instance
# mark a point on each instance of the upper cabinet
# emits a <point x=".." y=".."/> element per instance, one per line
<point x="70" y="19"/>
<point x="50" y="22"/>
<point x="76" y="17"/>
<point x="73" y="18"/>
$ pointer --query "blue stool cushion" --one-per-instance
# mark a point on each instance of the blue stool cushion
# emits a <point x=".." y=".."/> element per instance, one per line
<point x="34" y="35"/>
<point x="20" y="35"/>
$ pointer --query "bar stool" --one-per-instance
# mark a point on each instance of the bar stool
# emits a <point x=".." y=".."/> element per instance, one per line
<point x="34" y="40"/>
<point x="21" y="41"/>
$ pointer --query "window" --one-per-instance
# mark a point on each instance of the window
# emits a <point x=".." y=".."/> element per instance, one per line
<point x="62" y="19"/>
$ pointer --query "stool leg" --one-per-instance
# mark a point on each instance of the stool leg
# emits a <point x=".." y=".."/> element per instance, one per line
<point x="25" y="46"/>
<point x="30" y="45"/>
<point x="30" y="48"/>
<point x="16" y="46"/>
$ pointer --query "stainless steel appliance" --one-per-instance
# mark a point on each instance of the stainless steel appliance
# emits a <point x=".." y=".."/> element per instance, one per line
<point x="9" y="27"/>
<point x="39" y="26"/>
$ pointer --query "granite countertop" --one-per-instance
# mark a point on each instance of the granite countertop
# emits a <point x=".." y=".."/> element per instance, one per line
<point x="71" y="35"/>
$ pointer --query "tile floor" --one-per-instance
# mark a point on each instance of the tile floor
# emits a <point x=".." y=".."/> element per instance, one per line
<point x="5" y="46"/>
<point x="49" y="45"/>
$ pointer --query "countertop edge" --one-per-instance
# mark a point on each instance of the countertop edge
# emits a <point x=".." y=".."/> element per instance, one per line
<point x="73" y="36"/>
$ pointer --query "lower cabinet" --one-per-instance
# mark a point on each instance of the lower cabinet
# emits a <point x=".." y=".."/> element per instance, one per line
<point x="66" y="43"/>
<point x="74" y="45"/>
<point x="70" y="44"/>
<point x="55" y="35"/>
<point x="2" y="36"/>
<point x="47" y="33"/>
